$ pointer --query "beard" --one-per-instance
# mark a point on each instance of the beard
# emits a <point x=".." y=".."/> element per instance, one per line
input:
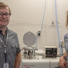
<point x="3" y="26"/>
<point x="4" y="23"/>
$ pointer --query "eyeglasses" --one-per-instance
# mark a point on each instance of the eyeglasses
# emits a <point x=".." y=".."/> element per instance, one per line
<point x="6" y="14"/>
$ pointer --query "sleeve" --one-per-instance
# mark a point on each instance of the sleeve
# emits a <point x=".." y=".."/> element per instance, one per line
<point x="18" y="45"/>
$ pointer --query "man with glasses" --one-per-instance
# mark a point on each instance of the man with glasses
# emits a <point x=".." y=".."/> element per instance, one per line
<point x="10" y="55"/>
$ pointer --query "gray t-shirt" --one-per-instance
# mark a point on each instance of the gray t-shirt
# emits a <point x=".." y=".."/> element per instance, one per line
<point x="10" y="39"/>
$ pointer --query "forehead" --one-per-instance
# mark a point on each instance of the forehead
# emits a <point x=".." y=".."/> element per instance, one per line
<point x="6" y="9"/>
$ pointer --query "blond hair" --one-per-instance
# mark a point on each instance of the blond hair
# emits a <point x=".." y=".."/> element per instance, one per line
<point x="3" y="5"/>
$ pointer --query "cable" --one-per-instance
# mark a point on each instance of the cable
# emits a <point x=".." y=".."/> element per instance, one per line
<point x="58" y="28"/>
<point x="43" y="16"/>
<point x="41" y="24"/>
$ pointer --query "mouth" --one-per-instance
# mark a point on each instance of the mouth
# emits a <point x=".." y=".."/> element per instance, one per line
<point x="2" y="21"/>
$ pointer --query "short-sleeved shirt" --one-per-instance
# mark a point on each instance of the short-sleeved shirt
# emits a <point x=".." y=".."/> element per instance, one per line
<point x="10" y="39"/>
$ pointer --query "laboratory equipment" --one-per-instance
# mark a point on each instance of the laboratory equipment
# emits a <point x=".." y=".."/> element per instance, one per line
<point x="40" y="63"/>
<point x="29" y="40"/>
<point x="50" y="51"/>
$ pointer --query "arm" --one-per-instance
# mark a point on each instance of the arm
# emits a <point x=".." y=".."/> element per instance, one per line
<point x="17" y="60"/>
<point x="62" y="62"/>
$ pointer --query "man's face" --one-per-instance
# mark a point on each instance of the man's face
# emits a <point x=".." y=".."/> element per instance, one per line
<point x="4" y="17"/>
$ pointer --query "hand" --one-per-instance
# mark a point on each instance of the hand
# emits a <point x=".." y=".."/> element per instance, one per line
<point x="62" y="63"/>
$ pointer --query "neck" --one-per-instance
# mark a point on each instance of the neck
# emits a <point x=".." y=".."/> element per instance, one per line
<point x="3" y="30"/>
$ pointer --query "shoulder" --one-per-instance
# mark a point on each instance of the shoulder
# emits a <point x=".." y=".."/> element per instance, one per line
<point x="66" y="35"/>
<point x="11" y="32"/>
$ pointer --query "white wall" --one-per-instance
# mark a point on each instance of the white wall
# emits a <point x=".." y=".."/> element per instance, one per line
<point x="27" y="16"/>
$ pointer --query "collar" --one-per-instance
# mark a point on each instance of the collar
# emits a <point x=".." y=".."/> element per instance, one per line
<point x="5" y="31"/>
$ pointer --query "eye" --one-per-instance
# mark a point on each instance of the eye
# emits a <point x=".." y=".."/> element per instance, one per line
<point x="6" y="14"/>
<point x="1" y="13"/>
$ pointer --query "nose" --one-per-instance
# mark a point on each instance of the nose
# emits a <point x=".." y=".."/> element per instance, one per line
<point x="3" y="16"/>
